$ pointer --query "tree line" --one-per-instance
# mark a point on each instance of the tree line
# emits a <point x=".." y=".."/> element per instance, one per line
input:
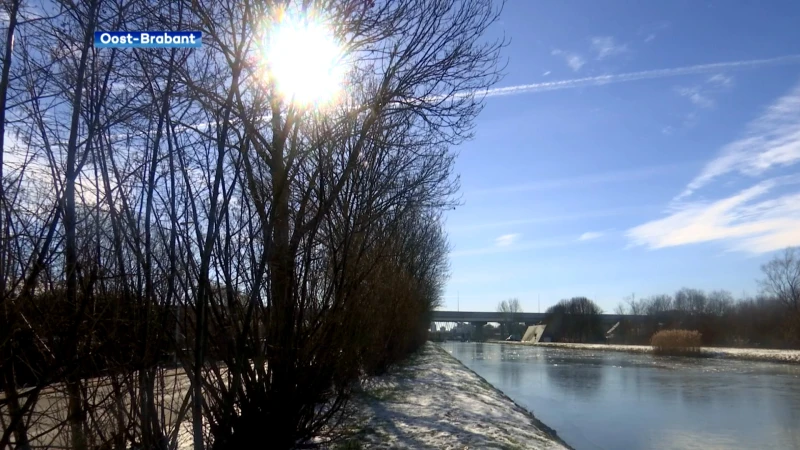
<point x="179" y="243"/>
<point x="769" y="320"/>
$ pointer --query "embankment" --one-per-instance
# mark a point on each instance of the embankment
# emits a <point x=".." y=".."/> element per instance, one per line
<point x="435" y="402"/>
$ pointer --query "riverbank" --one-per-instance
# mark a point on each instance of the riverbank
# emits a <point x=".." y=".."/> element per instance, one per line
<point x="747" y="354"/>
<point x="435" y="402"/>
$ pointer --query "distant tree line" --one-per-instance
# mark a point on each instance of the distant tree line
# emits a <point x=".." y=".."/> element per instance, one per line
<point x="575" y="320"/>
<point x="771" y="319"/>
<point x="180" y="243"/>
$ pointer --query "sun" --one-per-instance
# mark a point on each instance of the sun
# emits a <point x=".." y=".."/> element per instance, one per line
<point x="303" y="58"/>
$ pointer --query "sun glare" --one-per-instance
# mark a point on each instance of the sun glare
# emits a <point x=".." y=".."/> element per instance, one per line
<point x="304" y="59"/>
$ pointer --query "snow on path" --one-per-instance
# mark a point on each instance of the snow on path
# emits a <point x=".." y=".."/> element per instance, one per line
<point x="751" y="354"/>
<point x="435" y="402"/>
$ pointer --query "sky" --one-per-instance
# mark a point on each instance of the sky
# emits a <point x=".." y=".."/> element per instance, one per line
<point x="632" y="148"/>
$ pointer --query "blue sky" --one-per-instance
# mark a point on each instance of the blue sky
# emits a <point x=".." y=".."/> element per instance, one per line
<point x="632" y="148"/>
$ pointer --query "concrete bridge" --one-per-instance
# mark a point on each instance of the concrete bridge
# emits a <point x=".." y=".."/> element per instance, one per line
<point x="527" y="318"/>
<point x="479" y="318"/>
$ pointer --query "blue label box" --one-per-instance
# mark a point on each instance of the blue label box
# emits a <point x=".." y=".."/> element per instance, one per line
<point x="148" y="39"/>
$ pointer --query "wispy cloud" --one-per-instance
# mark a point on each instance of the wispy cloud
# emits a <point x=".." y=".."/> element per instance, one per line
<point x="651" y="31"/>
<point x="771" y="140"/>
<point x="589" y="235"/>
<point x="642" y="75"/>
<point x="746" y="221"/>
<point x="588" y="179"/>
<point x="758" y="219"/>
<point x="720" y="79"/>
<point x="546" y="73"/>
<point x="696" y="96"/>
<point x="582" y="215"/>
<point x="506" y="240"/>
<point x="702" y="94"/>
<point x="605" y="46"/>
<point x="573" y="60"/>
<point x="520" y="246"/>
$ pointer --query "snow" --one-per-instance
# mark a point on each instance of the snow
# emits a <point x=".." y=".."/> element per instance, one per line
<point x="750" y="354"/>
<point x="435" y="402"/>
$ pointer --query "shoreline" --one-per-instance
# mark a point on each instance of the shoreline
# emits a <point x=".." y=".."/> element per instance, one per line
<point x="435" y="402"/>
<point x="553" y="433"/>
<point x="743" y="354"/>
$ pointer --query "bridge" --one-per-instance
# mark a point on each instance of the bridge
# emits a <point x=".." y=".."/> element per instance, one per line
<point x="527" y="318"/>
<point x="480" y="318"/>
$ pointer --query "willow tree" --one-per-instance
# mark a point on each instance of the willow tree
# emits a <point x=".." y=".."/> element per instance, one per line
<point x="410" y="79"/>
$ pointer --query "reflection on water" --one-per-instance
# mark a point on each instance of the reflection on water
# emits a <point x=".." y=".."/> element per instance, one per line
<point x="477" y="349"/>
<point x="582" y="383"/>
<point x="610" y="400"/>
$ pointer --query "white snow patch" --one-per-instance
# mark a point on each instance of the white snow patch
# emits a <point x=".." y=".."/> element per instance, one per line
<point x="437" y="403"/>
<point x="751" y="354"/>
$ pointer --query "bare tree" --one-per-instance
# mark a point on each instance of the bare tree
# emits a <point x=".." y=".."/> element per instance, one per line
<point x="510" y="309"/>
<point x="175" y="203"/>
<point x="635" y="307"/>
<point x="691" y="301"/>
<point x="782" y="278"/>
<point x="657" y="304"/>
<point x="720" y="303"/>
<point x="510" y="306"/>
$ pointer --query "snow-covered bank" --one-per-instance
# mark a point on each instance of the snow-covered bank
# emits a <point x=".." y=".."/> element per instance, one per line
<point x="435" y="402"/>
<point x="750" y="354"/>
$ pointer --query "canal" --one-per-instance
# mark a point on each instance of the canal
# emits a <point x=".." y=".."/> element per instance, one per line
<point x="614" y="400"/>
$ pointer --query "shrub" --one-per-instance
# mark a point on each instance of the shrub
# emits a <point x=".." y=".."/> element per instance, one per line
<point x="676" y="342"/>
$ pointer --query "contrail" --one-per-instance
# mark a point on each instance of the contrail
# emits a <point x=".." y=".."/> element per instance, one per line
<point x="643" y="75"/>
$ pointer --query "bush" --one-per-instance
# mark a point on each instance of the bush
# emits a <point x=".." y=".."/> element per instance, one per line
<point x="676" y="342"/>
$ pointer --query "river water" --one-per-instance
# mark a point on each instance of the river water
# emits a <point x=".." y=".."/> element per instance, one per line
<point x="613" y="400"/>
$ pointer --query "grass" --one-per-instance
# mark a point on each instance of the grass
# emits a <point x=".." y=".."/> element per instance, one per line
<point x="350" y="445"/>
<point x="677" y="342"/>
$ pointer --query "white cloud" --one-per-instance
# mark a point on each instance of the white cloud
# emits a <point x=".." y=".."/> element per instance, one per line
<point x="771" y="140"/>
<point x="637" y="76"/>
<point x="573" y="60"/>
<point x="701" y="94"/>
<point x="605" y="46"/>
<point x="517" y="247"/>
<point x="696" y="96"/>
<point x="745" y="221"/>
<point x="762" y="218"/>
<point x="579" y="215"/>
<point x="720" y="79"/>
<point x="546" y="73"/>
<point x="506" y="240"/>
<point x="617" y="176"/>
<point x="589" y="235"/>
<point x="653" y="30"/>
<point x="690" y="119"/>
